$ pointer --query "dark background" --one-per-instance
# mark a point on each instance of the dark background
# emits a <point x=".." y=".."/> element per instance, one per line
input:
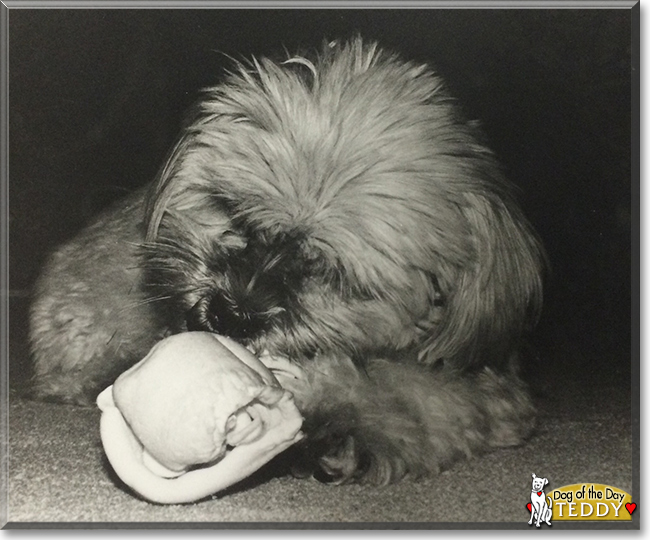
<point x="97" y="98"/>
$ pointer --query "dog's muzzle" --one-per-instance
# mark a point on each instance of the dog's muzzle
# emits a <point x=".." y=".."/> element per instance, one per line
<point x="218" y="313"/>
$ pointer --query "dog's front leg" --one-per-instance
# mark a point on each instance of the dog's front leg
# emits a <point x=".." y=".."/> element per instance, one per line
<point x="390" y="419"/>
<point x="539" y="513"/>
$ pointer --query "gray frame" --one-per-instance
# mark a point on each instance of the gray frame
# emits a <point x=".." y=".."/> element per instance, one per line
<point x="8" y="6"/>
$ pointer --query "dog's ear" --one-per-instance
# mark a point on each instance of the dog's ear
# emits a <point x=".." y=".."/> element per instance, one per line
<point x="162" y="189"/>
<point x="545" y="481"/>
<point x="182" y="188"/>
<point x="495" y="295"/>
<point x="534" y="476"/>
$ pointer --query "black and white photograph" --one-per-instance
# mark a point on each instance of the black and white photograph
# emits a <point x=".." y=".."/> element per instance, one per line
<point x="315" y="266"/>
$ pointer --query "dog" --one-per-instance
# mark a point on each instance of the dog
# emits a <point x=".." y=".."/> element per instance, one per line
<point x="540" y="508"/>
<point x="337" y="210"/>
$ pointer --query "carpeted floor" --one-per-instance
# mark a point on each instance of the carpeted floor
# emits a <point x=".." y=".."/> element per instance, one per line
<point x="58" y="473"/>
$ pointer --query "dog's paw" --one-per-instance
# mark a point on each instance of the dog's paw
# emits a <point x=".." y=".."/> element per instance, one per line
<point x="341" y="464"/>
<point x="509" y="410"/>
<point x="329" y="461"/>
<point x="65" y="389"/>
<point x="349" y="462"/>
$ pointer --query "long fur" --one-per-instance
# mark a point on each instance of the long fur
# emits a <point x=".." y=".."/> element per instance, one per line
<point x="341" y="212"/>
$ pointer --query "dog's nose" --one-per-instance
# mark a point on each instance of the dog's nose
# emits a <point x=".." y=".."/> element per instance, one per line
<point x="232" y="318"/>
<point x="220" y="314"/>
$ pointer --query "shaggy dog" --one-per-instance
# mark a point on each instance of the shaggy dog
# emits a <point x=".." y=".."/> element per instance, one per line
<point x="339" y="212"/>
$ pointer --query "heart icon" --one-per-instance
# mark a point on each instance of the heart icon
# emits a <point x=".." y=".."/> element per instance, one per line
<point x="631" y="507"/>
<point x="530" y="507"/>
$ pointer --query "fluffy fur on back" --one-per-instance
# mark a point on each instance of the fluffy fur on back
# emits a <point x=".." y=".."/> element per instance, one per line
<point x="339" y="211"/>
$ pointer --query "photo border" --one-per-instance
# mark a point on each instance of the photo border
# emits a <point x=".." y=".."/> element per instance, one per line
<point x="637" y="225"/>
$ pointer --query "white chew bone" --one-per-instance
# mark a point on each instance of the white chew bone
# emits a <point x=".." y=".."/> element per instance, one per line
<point x="151" y="441"/>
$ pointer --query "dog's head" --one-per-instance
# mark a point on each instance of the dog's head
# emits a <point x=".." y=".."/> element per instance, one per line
<point x="539" y="483"/>
<point x="341" y="203"/>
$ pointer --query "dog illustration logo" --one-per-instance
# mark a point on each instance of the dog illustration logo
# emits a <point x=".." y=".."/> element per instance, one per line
<point x="540" y="509"/>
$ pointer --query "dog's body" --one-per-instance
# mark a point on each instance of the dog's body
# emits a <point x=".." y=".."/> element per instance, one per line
<point x="340" y="213"/>
<point x="540" y="507"/>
